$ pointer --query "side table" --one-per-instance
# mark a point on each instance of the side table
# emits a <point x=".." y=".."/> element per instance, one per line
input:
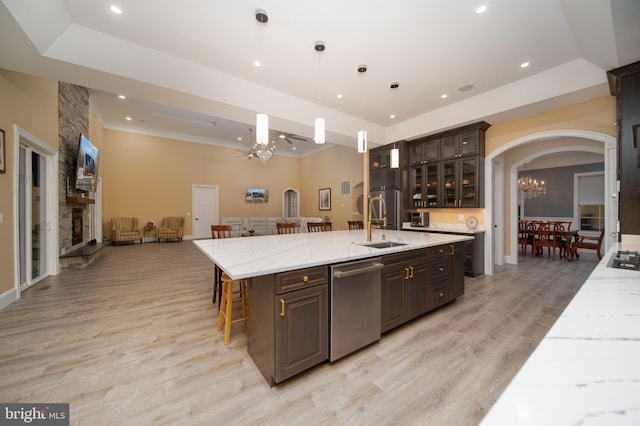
<point x="149" y="234"/>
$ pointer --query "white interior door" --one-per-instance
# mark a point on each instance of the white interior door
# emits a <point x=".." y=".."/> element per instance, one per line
<point x="205" y="210"/>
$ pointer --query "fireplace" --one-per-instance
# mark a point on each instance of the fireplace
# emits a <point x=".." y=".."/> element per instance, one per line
<point x="76" y="226"/>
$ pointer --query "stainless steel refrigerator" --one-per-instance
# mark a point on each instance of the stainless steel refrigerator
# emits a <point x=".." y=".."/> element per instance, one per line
<point x="392" y="200"/>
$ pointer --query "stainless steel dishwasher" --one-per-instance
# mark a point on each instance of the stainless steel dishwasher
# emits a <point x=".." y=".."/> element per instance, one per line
<point x="355" y="306"/>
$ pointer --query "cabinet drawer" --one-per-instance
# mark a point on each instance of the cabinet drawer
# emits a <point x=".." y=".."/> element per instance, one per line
<point x="413" y="256"/>
<point x="293" y="280"/>
<point x="438" y="293"/>
<point x="439" y="269"/>
<point x="442" y="251"/>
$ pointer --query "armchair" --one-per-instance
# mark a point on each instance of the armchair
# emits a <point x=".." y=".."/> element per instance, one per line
<point x="171" y="228"/>
<point x="589" y="243"/>
<point x="125" y="229"/>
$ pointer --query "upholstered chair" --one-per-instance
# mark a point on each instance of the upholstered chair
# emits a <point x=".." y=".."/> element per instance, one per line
<point x="125" y="229"/>
<point x="171" y="228"/>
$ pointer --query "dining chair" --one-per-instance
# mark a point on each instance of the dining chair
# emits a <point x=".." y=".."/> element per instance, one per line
<point x="525" y="236"/>
<point x="287" y="228"/>
<point x="543" y="236"/>
<point x="355" y="224"/>
<point x="588" y="243"/>
<point x="218" y="232"/>
<point x="316" y="226"/>
<point x="562" y="238"/>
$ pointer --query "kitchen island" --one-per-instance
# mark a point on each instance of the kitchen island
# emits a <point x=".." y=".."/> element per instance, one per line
<point x="289" y="294"/>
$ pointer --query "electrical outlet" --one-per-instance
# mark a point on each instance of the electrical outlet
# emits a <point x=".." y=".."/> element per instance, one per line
<point x="461" y="217"/>
<point x="1" y="217"/>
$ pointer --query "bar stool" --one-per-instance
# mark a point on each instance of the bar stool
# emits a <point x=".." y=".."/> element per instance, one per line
<point x="229" y="296"/>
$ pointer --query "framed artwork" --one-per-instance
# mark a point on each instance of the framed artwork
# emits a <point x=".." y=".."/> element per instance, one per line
<point x="257" y="195"/>
<point x="2" y="153"/>
<point x="324" y="199"/>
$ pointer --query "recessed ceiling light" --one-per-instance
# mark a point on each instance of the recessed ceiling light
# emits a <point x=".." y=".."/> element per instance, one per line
<point x="524" y="64"/>
<point x="128" y="118"/>
<point x="239" y="138"/>
<point x="443" y="96"/>
<point x="115" y="9"/>
<point x="123" y="97"/>
<point x="481" y="9"/>
<point x="293" y="148"/>
<point x="339" y="96"/>
<point x="257" y="64"/>
<point x="392" y="116"/>
<point x="466" y="87"/>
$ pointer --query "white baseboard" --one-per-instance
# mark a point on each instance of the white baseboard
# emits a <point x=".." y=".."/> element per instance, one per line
<point x="8" y="297"/>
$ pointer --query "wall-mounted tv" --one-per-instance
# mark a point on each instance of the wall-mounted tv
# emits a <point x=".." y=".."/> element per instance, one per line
<point x="87" y="166"/>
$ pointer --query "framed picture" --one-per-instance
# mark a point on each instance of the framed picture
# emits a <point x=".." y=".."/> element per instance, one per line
<point x="324" y="199"/>
<point x="256" y="195"/>
<point x="3" y="168"/>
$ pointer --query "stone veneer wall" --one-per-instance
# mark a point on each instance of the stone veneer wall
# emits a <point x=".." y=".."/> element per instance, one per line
<point x="73" y="119"/>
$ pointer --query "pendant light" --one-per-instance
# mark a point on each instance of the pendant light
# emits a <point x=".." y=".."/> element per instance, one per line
<point x="262" y="120"/>
<point x="262" y="129"/>
<point x="395" y="152"/>
<point x="362" y="134"/>
<point x="395" y="157"/>
<point x="319" y="134"/>
<point x="362" y="141"/>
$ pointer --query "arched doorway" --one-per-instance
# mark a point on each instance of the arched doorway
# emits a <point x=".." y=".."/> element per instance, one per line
<point x="290" y="203"/>
<point x="497" y="227"/>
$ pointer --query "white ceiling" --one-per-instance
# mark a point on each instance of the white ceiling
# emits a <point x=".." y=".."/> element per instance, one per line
<point x="187" y="67"/>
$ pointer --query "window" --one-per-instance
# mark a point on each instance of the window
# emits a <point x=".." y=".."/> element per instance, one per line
<point x="592" y="217"/>
<point x="590" y="200"/>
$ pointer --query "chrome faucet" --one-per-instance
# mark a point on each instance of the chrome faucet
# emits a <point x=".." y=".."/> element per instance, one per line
<point x="383" y="209"/>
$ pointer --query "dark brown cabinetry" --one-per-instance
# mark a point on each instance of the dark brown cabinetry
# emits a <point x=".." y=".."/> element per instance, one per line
<point x="465" y="144"/>
<point x="473" y="252"/>
<point x="625" y="85"/>
<point x="447" y="170"/>
<point x="381" y="175"/>
<point x="424" y="152"/>
<point x="291" y="334"/>
<point x="404" y="287"/>
<point x="419" y="281"/>
<point x="462" y="181"/>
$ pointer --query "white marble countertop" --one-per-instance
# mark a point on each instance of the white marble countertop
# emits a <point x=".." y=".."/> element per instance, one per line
<point x="254" y="256"/>
<point x="444" y="227"/>
<point x="586" y="370"/>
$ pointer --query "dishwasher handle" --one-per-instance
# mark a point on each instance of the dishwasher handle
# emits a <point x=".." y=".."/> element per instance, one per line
<point x="372" y="267"/>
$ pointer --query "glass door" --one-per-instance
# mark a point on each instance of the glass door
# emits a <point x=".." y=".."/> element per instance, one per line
<point x="32" y="218"/>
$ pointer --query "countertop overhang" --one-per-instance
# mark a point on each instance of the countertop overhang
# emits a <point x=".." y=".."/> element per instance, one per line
<point x="247" y="257"/>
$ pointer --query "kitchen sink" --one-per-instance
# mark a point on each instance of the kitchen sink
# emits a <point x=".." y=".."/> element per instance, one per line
<point x="383" y="244"/>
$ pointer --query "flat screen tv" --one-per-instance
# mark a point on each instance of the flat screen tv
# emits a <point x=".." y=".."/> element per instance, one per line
<point x="87" y="166"/>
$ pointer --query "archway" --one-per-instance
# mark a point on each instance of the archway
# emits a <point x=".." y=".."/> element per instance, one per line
<point x="290" y="203"/>
<point x="495" y="203"/>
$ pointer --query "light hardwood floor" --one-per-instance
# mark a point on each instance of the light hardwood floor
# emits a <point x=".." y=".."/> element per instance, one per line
<point x="132" y="340"/>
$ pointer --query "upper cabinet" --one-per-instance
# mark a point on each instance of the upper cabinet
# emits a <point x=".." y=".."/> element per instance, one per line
<point x="381" y="175"/>
<point x="424" y="152"/>
<point x="462" y="145"/>
<point x="447" y="170"/>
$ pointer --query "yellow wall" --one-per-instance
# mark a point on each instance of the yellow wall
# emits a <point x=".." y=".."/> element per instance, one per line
<point x="149" y="177"/>
<point x="327" y="169"/>
<point x="31" y="103"/>
<point x="597" y="116"/>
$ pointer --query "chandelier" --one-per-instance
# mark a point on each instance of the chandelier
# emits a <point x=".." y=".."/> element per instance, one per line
<point x="530" y="187"/>
<point x="264" y="152"/>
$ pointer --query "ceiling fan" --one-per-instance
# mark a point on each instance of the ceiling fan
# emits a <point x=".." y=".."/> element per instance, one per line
<point x="252" y="152"/>
<point x="289" y="137"/>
